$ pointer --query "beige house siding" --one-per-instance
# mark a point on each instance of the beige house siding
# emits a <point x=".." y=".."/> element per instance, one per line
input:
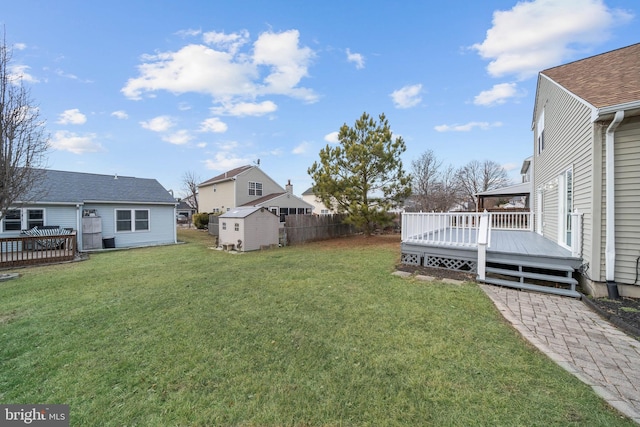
<point x="627" y="204"/>
<point x="568" y="142"/>
<point x="220" y="196"/>
<point x="269" y="186"/>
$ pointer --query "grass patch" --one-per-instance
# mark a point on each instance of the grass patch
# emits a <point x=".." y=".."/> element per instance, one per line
<point x="319" y="335"/>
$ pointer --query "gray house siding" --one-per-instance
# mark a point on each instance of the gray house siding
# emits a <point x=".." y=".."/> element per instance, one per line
<point x="269" y="186"/>
<point x="568" y="142"/>
<point x="161" y="221"/>
<point x="627" y="204"/>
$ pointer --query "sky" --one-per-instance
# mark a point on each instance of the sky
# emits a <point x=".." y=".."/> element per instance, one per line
<point x="158" y="89"/>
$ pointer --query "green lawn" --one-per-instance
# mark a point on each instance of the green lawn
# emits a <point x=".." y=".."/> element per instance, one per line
<point x="313" y="335"/>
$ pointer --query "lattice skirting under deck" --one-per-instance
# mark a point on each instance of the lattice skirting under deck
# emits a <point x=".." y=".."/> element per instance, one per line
<point x="451" y="264"/>
<point x="411" y="259"/>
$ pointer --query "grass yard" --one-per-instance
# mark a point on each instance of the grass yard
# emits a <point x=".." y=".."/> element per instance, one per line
<point x="315" y="335"/>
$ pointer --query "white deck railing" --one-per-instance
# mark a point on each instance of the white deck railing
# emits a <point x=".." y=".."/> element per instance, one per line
<point x="458" y="228"/>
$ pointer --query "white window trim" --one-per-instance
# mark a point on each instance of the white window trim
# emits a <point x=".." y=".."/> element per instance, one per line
<point x="24" y="218"/>
<point x="540" y="133"/>
<point x="562" y="205"/>
<point x="133" y="221"/>
<point x="255" y="188"/>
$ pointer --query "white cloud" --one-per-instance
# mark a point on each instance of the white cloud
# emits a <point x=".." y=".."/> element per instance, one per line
<point x="21" y="72"/>
<point x="241" y="109"/>
<point x="72" y="117"/>
<point x="356" y="58"/>
<point x="535" y="35"/>
<point x="407" y="97"/>
<point x="302" y="148"/>
<point x="332" y="137"/>
<point x="120" y="114"/>
<point x="275" y="66"/>
<point x="158" y="124"/>
<point x="180" y="137"/>
<point x="498" y="94"/>
<point x="213" y="124"/>
<point x="467" y="127"/>
<point x="510" y="166"/>
<point x="223" y="161"/>
<point x="228" y="42"/>
<point x="20" y="46"/>
<point x="75" y="143"/>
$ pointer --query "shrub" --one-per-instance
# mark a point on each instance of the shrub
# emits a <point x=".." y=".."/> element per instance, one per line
<point x="201" y="220"/>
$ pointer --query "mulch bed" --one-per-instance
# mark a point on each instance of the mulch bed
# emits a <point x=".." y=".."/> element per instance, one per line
<point x="623" y="313"/>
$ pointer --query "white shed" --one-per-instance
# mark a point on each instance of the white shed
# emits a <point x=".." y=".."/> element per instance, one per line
<point x="248" y="228"/>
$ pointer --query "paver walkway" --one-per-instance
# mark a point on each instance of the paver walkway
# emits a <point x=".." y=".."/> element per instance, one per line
<point x="579" y="340"/>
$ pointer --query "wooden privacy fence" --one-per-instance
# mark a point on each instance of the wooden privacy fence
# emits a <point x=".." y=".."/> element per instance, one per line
<point x="31" y="250"/>
<point x="307" y="228"/>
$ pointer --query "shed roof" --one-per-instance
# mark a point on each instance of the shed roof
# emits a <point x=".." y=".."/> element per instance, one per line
<point x="604" y="80"/>
<point x="243" y="211"/>
<point x="78" y="187"/>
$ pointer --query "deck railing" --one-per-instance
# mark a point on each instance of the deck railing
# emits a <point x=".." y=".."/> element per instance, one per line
<point x="458" y="228"/>
<point x="448" y="228"/>
<point x="30" y="250"/>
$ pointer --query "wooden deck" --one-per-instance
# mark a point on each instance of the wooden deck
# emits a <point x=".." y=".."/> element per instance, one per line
<point x="30" y="250"/>
<point x="514" y="257"/>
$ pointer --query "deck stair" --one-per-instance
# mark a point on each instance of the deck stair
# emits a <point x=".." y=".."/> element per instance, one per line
<point x="532" y="274"/>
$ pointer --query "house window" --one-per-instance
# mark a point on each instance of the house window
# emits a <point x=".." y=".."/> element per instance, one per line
<point x="12" y="220"/>
<point x="224" y="225"/>
<point x="236" y="227"/>
<point x="540" y="131"/>
<point x="283" y="213"/>
<point x="35" y="218"/>
<point x="132" y="220"/>
<point x="255" y="188"/>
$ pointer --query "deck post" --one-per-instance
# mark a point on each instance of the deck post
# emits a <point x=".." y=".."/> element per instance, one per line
<point x="483" y="240"/>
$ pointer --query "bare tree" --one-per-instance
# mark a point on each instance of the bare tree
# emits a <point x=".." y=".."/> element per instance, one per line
<point x="425" y="172"/>
<point x="446" y="194"/>
<point x="190" y="181"/>
<point x="476" y="177"/>
<point x="23" y="140"/>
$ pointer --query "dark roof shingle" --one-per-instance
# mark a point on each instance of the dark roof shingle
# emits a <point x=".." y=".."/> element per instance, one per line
<point x="77" y="187"/>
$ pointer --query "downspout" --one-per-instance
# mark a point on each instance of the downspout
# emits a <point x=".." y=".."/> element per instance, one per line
<point x="610" y="209"/>
<point x="79" y="228"/>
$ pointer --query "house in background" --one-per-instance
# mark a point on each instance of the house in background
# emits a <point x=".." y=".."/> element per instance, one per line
<point x="248" y="228"/>
<point x="586" y="125"/>
<point x="249" y="186"/>
<point x="123" y="211"/>
<point x="318" y="207"/>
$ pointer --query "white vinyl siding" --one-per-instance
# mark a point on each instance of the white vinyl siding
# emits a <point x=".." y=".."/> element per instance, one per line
<point x="568" y="139"/>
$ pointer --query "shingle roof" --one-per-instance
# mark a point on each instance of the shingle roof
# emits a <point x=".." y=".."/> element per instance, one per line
<point x="263" y="199"/>
<point x="226" y="175"/>
<point x="603" y="80"/>
<point x="77" y="187"/>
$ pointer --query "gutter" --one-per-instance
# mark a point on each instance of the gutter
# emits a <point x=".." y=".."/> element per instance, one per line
<point x="610" y="209"/>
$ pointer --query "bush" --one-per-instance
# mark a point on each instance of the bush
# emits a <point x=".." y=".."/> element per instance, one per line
<point x="201" y="220"/>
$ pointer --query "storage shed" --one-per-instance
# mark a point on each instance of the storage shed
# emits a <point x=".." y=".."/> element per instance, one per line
<point x="248" y="228"/>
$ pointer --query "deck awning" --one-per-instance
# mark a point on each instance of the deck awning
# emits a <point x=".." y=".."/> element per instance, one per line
<point x="523" y="189"/>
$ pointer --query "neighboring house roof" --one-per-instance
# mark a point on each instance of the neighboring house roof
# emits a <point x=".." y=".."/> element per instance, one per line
<point x="508" y="191"/>
<point x="309" y="192"/>
<point x="226" y="176"/>
<point x="608" y="79"/>
<point x="263" y="199"/>
<point x="77" y="187"/>
<point x="242" y="211"/>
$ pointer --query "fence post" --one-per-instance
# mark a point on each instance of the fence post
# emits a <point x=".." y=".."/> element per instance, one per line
<point x="483" y="240"/>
